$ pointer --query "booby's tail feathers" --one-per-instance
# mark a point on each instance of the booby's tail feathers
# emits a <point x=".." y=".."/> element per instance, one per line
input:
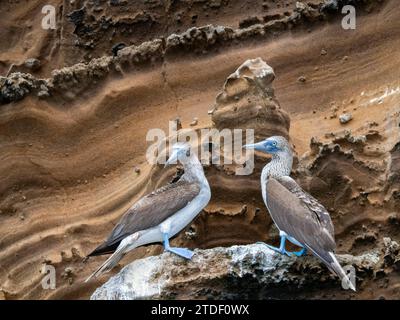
<point x="337" y="268"/>
<point x="104" y="248"/>
<point x="126" y="245"/>
<point x="334" y="266"/>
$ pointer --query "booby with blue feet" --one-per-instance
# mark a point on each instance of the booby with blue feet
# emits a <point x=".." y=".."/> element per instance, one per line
<point x="160" y="215"/>
<point x="300" y="218"/>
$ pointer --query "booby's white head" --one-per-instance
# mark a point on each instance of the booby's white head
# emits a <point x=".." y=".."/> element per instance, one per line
<point x="275" y="145"/>
<point x="282" y="155"/>
<point x="193" y="170"/>
<point x="181" y="151"/>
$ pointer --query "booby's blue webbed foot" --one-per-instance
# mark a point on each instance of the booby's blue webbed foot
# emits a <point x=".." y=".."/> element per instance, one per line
<point x="281" y="249"/>
<point x="276" y="249"/>
<point x="300" y="253"/>
<point x="182" y="252"/>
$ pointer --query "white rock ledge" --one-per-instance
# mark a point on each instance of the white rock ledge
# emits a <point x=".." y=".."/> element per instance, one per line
<point x="247" y="271"/>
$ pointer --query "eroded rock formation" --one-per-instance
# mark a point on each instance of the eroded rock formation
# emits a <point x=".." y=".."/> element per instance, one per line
<point x="247" y="101"/>
<point x="80" y="76"/>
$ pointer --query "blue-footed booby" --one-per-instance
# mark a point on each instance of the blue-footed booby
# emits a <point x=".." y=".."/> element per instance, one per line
<point x="300" y="218"/>
<point x="160" y="215"/>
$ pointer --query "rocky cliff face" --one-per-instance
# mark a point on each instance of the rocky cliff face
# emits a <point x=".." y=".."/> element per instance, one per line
<point x="77" y="102"/>
<point x="336" y="171"/>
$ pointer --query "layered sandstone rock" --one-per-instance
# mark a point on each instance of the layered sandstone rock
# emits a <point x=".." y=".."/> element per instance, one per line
<point x="73" y="132"/>
<point x="247" y="101"/>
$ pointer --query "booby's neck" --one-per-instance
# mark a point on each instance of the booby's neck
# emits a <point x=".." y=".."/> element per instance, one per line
<point x="280" y="165"/>
<point x="193" y="171"/>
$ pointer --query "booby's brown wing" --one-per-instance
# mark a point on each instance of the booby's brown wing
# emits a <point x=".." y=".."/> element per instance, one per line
<point x="309" y="201"/>
<point x="292" y="216"/>
<point x="150" y="211"/>
<point x="299" y="218"/>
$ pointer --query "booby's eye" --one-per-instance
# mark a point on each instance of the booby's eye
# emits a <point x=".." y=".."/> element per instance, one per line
<point x="274" y="143"/>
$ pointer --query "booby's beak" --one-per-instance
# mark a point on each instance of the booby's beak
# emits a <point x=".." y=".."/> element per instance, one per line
<point x="173" y="159"/>
<point x="259" y="146"/>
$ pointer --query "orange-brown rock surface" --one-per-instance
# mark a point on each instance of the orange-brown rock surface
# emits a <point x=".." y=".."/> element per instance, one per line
<point x="73" y="127"/>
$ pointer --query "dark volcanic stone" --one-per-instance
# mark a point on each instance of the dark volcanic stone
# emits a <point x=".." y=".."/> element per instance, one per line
<point x="248" y="22"/>
<point x="77" y="16"/>
<point x="117" y="47"/>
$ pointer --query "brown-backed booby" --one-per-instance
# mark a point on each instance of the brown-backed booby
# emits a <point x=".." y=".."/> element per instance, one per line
<point x="160" y="215"/>
<point x="300" y="218"/>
